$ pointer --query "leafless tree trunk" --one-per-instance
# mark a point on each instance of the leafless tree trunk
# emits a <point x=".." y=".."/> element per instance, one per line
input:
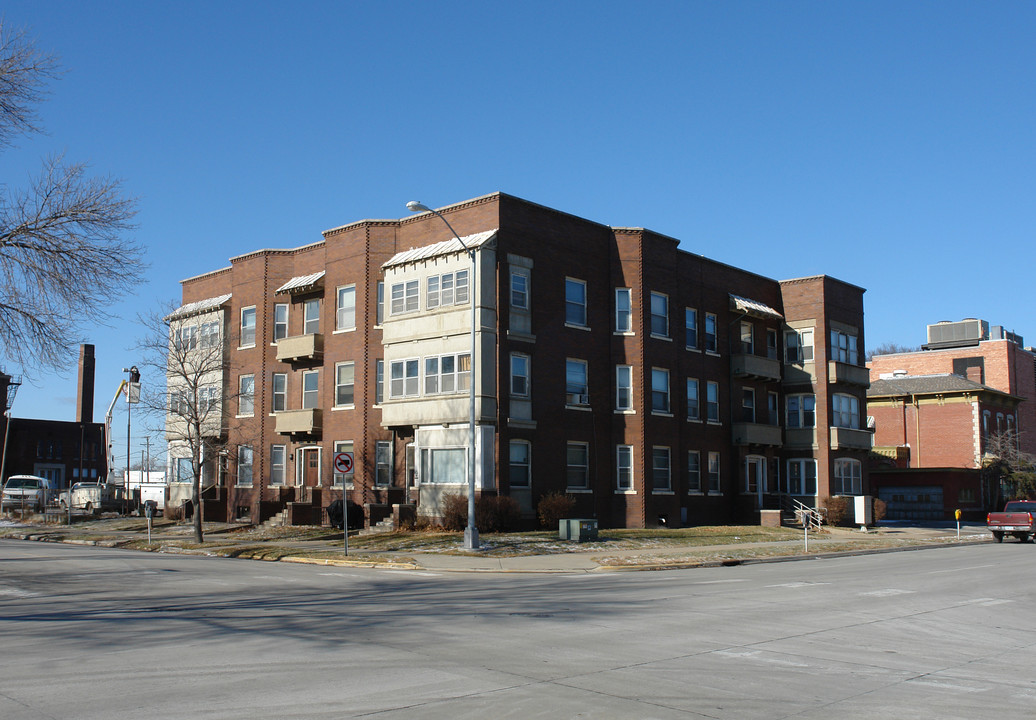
<point x="64" y="259"/>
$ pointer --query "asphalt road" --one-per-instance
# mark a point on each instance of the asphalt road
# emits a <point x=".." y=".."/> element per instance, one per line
<point x="100" y="633"/>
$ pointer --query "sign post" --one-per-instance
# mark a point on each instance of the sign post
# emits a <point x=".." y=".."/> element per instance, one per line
<point x="343" y="463"/>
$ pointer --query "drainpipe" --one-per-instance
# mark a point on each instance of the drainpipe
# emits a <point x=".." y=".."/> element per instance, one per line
<point x="917" y="425"/>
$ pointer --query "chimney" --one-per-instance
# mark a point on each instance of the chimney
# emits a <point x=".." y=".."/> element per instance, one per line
<point x="975" y="374"/>
<point x="85" y="398"/>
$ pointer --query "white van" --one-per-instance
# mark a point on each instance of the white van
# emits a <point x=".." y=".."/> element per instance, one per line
<point x="26" y="492"/>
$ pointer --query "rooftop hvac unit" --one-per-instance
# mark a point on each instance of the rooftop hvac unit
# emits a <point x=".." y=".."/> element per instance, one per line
<point x="953" y="334"/>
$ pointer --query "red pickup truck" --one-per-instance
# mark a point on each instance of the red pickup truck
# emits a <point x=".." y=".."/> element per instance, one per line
<point x="1017" y="519"/>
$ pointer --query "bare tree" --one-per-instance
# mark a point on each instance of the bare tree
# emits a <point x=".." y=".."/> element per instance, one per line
<point x="64" y="258"/>
<point x="891" y="348"/>
<point x="1007" y="471"/>
<point x="184" y="349"/>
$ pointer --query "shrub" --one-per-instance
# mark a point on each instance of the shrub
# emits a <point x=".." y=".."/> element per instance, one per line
<point x="837" y="510"/>
<point x="454" y="512"/>
<point x="495" y="513"/>
<point x="880" y="509"/>
<point x="553" y="507"/>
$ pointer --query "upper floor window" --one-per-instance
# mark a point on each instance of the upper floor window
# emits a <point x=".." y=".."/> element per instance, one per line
<point x="280" y="321"/>
<point x="575" y="302"/>
<point x="519" y="290"/>
<point x="345" y="376"/>
<point x="693" y="401"/>
<point x="848" y="477"/>
<point x="379" y="314"/>
<point x="747" y="405"/>
<point x="659" y="390"/>
<point x="690" y="328"/>
<point x="248" y="326"/>
<point x="519" y="375"/>
<point x="771" y="343"/>
<point x="712" y="401"/>
<point x="345" y="318"/>
<point x="711" y="341"/>
<point x="311" y="317"/>
<point x="659" y="315"/>
<point x="379" y="381"/>
<point x="447" y="289"/>
<point x="747" y="340"/>
<point x="773" y="413"/>
<point x="186" y="337"/>
<point x="404" y="376"/>
<point x="246" y="395"/>
<point x="623" y="310"/>
<point x="210" y="334"/>
<point x="280" y="392"/>
<point x="801" y="411"/>
<point x="445" y="374"/>
<point x="576" y="385"/>
<point x="310" y="389"/>
<point x="405" y="297"/>
<point x="623" y="387"/>
<point x="798" y="346"/>
<point x="843" y="347"/>
<point x="845" y="411"/>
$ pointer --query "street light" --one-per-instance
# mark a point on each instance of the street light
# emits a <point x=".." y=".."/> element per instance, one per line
<point x="470" y="532"/>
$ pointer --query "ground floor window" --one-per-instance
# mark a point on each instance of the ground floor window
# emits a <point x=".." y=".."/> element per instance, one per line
<point x="693" y="471"/>
<point x="624" y="467"/>
<point x="344" y="446"/>
<point x="660" y="473"/>
<point x="383" y="463"/>
<point x="444" y="466"/>
<point x="848" y="477"/>
<point x="278" y="455"/>
<point x="578" y="466"/>
<point x="520" y="464"/>
<point x="714" y="478"/>
<point x="244" y="465"/>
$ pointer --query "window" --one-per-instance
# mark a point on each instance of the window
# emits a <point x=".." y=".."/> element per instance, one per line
<point x="801" y="411"/>
<point x="210" y="334"/>
<point x="575" y="302"/>
<point x="690" y="322"/>
<point x="999" y="423"/>
<point x="278" y="458"/>
<point x="798" y="346"/>
<point x="519" y="290"/>
<point x="345" y="375"/>
<point x="660" y="477"/>
<point x="248" y="326"/>
<point x="519" y="375"/>
<point x="848" y="477"/>
<point x="444" y="465"/>
<point x="578" y="466"/>
<point x="184" y="470"/>
<point x="280" y="321"/>
<point x="344" y="446"/>
<point x="405" y="296"/>
<point x="659" y="390"/>
<point x="623" y="311"/>
<point x="310" y="389"/>
<point x="623" y="387"/>
<point x="714" y="479"/>
<point x="624" y="467"/>
<point x="446" y="374"/>
<point x="773" y="413"/>
<point x="280" y="392"/>
<point x="246" y="395"/>
<point x="447" y="289"/>
<point x="403" y="378"/>
<point x="693" y="405"/>
<point x="659" y="315"/>
<point x="985" y="422"/>
<point x="520" y="464"/>
<point x="345" y="318"/>
<point x="311" y="317"/>
<point x="711" y="342"/>
<point x="747" y="342"/>
<point x="802" y="477"/>
<point x="244" y="465"/>
<point x="383" y="463"/>
<point x="843" y="347"/>
<point x="846" y="412"/>
<point x="379" y="316"/>
<point x="693" y="471"/>
<point x="576" y="390"/>
<point x="771" y="343"/>
<point x="712" y="401"/>
<point x="747" y="405"/>
<point x="379" y="381"/>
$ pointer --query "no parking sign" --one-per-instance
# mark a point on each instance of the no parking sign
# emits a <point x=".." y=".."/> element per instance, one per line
<point x="343" y="462"/>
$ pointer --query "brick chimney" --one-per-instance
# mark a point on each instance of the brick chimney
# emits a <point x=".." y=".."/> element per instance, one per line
<point x="85" y="395"/>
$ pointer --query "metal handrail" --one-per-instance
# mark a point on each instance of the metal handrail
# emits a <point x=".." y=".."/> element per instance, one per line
<point x="810" y="518"/>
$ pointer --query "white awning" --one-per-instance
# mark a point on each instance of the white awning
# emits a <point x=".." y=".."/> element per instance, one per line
<point x="754" y="308"/>
<point x="302" y="283"/>
<point x="197" y="308"/>
<point x="446" y="247"/>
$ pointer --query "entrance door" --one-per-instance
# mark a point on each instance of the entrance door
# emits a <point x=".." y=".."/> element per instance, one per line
<point x="310" y="467"/>
<point x="755" y="477"/>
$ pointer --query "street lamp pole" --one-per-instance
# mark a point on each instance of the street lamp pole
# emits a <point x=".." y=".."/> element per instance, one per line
<point x="132" y="396"/>
<point x="471" y="541"/>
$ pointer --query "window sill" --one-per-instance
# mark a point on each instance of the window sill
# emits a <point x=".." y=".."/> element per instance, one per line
<point x="628" y="411"/>
<point x="581" y="408"/>
<point x="341" y="331"/>
<point x="238" y="417"/>
<point x="579" y="491"/>
<point x="717" y="423"/>
<point x="241" y="485"/>
<point x="585" y="328"/>
<point x="624" y="333"/>
<point x="661" y="413"/>
<point x="662" y="492"/>
<point x="696" y="421"/>
<point x="713" y="353"/>
<point x="521" y="336"/>
<point x="666" y="338"/>
<point x="246" y="347"/>
<point x="697" y="493"/>
<point x="625" y="492"/>
<point x="693" y="349"/>
<point x="343" y="407"/>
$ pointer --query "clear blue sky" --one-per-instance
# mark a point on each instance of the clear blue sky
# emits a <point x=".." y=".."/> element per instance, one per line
<point x="889" y="144"/>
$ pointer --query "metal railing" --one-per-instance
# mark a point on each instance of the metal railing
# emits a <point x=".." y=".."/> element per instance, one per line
<point x="810" y="518"/>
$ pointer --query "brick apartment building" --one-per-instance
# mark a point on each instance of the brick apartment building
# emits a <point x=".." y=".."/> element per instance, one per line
<point x="938" y="413"/>
<point x="654" y="385"/>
